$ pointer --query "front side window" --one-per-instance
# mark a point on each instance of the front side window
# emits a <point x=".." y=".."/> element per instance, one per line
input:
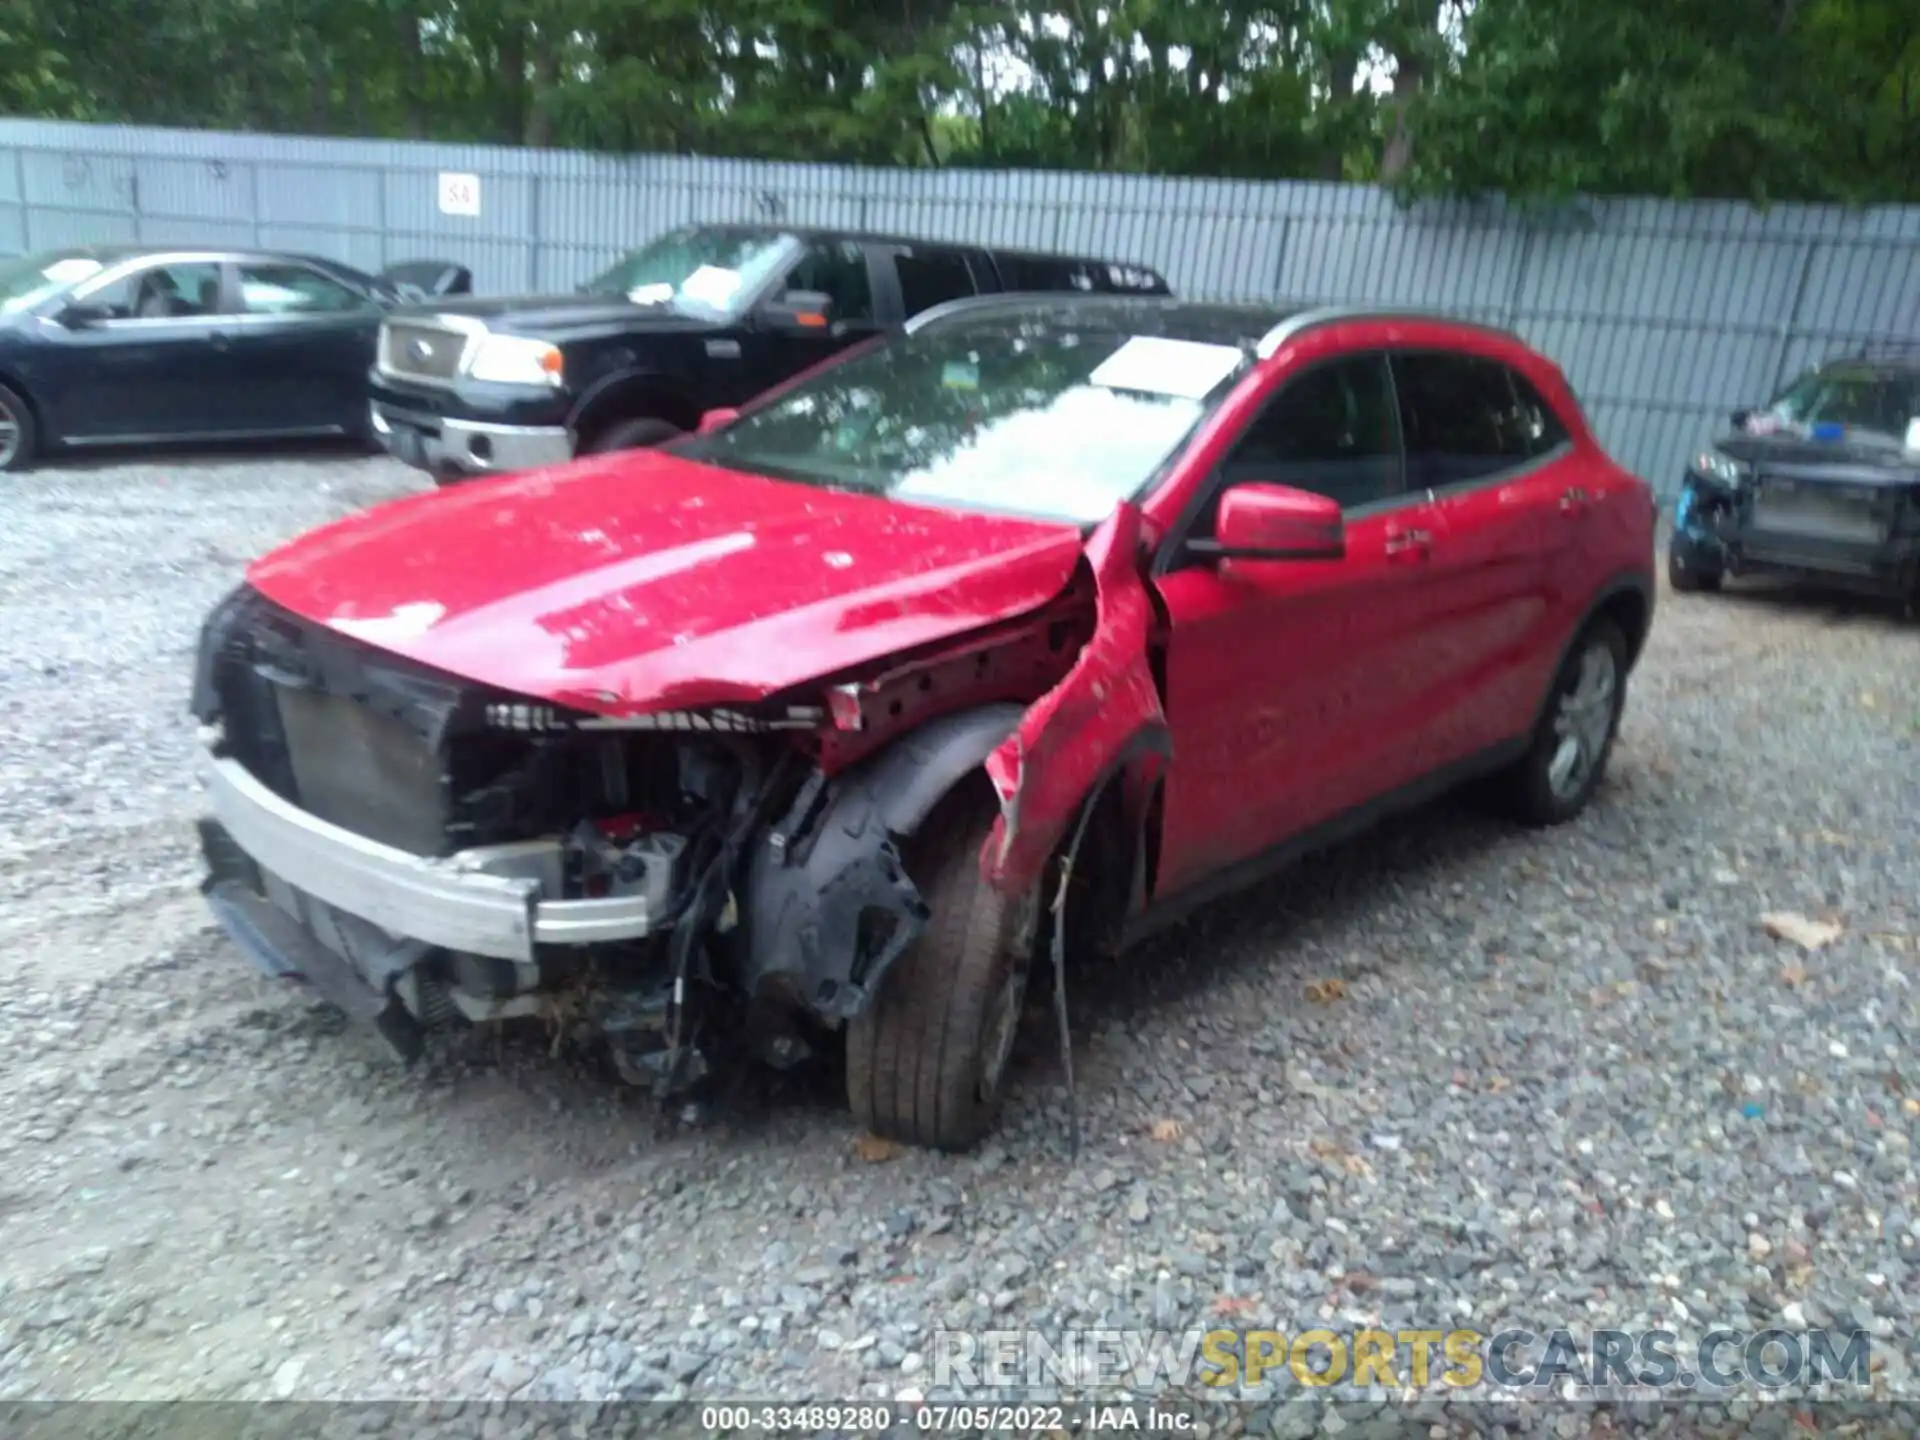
<point x="1046" y="416"/>
<point x="707" y="273"/>
<point x="161" y="292"/>
<point x="1331" y="431"/>
<point x="931" y="277"/>
<point x="280" y="289"/>
<point x="1464" y="420"/>
<point x="837" y="270"/>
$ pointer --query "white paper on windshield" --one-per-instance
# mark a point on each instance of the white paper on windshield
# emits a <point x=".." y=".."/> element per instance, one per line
<point x="1155" y="365"/>
<point x="72" y="270"/>
<point x="1913" y="434"/>
<point x="658" y="293"/>
<point x="711" y="285"/>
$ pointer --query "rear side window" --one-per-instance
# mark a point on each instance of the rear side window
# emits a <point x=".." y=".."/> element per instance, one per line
<point x="931" y="277"/>
<point x="1465" y="418"/>
<point x="1044" y="272"/>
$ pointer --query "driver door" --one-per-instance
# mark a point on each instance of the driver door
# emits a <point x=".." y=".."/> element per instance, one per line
<point x="1294" y="687"/>
<point x="842" y="271"/>
<point x="155" y="365"/>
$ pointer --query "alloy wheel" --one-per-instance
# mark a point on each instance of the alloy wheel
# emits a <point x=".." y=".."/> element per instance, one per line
<point x="1583" y="722"/>
<point x="9" y="435"/>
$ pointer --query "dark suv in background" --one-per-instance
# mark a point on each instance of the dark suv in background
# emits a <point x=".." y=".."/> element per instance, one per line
<point x="1822" y="483"/>
<point x="701" y="319"/>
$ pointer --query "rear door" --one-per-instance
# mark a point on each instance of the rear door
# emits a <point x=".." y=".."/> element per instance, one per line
<point x="1494" y="460"/>
<point x="306" y="343"/>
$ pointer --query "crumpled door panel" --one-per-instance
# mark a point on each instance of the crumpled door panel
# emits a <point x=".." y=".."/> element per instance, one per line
<point x="1104" y="715"/>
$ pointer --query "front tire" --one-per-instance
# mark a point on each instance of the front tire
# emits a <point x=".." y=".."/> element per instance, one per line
<point x="1688" y="581"/>
<point x="1567" y="758"/>
<point x="927" y="1059"/>
<point x="18" y="438"/>
<point x="632" y="435"/>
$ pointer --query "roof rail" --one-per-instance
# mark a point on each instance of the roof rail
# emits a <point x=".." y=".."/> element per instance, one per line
<point x="1313" y="317"/>
<point x="1009" y="299"/>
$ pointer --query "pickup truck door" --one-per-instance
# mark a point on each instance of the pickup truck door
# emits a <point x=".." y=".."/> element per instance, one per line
<point x="852" y="276"/>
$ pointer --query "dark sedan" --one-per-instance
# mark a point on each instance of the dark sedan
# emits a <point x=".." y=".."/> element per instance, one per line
<point x="116" y="345"/>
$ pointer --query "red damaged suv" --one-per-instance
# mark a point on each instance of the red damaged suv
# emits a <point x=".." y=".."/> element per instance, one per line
<point x="791" y="730"/>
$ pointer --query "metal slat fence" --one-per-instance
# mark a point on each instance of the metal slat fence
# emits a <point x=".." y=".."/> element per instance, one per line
<point x="1665" y="315"/>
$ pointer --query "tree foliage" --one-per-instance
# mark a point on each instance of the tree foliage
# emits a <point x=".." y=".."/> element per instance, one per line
<point x="1757" y="99"/>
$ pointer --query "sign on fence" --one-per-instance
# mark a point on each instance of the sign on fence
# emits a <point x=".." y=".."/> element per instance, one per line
<point x="459" y="194"/>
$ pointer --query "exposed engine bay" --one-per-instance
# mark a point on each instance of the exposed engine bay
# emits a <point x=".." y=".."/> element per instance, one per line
<point x="677" y="883"/>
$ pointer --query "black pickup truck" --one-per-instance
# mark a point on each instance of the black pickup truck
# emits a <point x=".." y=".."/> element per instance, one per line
<point x="701" y="319"/>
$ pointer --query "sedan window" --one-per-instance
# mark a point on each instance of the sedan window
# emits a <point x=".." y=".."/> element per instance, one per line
<point x="282" y="289"/>
<point x="161" y="292"/>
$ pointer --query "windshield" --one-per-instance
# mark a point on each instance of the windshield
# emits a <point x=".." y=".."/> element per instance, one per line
<point x="707" y="272"/>
<point x="1858" y="398"/>
<point x="26" y="280"/>
<point x="1054" y="417"/>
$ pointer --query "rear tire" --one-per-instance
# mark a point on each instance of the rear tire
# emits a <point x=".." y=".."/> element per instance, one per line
<point x="631" y="435"/>
<point x="1567" y="757"/>
<point x="927" y="1059"/>
<point x="19" y="440"/>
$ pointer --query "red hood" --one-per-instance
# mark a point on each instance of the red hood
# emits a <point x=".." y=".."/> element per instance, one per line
<point x="641" y="581"/>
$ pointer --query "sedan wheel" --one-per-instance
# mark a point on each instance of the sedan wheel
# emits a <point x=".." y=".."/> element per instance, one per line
<point x="16" y="431"/>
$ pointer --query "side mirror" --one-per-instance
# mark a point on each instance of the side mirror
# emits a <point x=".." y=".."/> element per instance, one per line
<point x="717" y="419"/>
<point x="800" y="312"/>
<point x="1275" y="522"/>
<point x="79" y="316"/>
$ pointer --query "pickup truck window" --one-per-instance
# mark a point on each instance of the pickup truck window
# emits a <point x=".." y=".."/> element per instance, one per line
<point x="1057" y="418"/>
<point x="708" y="273"/>
<point x="931" y="277"/>
<point x="837" y="270"/>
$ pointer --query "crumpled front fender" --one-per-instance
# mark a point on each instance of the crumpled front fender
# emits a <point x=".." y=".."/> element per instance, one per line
<point x="1102" y="718"/>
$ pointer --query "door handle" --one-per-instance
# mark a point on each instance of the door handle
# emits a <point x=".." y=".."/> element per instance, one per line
<point x="219" y="339"/>
<point x="1573" y="500"/>
<point x="1409" y="544"/>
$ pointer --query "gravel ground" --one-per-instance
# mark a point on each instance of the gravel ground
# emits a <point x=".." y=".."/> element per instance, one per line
<point x="1570" y="1081"/>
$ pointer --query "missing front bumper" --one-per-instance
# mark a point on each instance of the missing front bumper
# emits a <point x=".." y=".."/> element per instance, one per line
<point x="490" y="901"/>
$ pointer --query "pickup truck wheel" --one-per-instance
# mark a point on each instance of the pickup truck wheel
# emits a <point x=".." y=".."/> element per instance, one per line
<point x="16" y="431"/>
<point x="631" y="435"/>
<point x="1563" y="766"/>
<point x="927" y="1059"/>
